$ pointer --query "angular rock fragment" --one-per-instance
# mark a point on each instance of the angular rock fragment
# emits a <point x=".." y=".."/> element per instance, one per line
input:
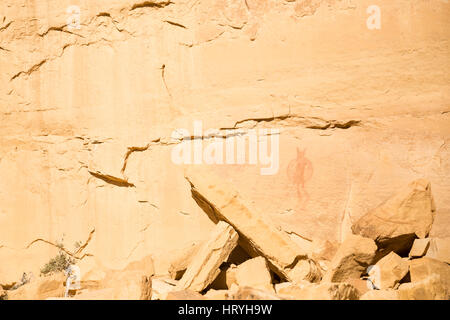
<point x="439" y="249"/>
<point x="213" y="294"/>
<point x="40" y="288"/>
<point x="179" y="265"/>
<point x="257" y="237"/>
<point x="430" y="288"/>
<point x="205" y="264"/>
<point x="282" y="285"/>
<point x="388" y="294"/>
<point x="248" y="293"/>
<point x="254" y="273"/>
<point x="134" y="282"/>
<point x="226" y="278"/>
<point x="395" y="223"/>
<point x="323" y="291"/>
<point x="324" y="249"/>
<point x="128" y="285"/>
<point x="419" y="248"/>
<point x="388" y="272"/>
<point x="351" y="260"/>
<point x="161" y="288"/>
<point x="422" y="268"/>
<point x="362" y="285"/>
<point x="184" y="295"/>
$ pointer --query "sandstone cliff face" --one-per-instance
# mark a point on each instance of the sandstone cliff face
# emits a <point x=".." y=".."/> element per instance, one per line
<point x="87" y="116"/>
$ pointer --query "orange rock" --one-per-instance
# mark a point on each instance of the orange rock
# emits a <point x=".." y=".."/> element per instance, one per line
<point x="395" y="223"/>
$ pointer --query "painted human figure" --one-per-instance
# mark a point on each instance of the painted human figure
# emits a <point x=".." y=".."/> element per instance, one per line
<point x="300" y="171"/>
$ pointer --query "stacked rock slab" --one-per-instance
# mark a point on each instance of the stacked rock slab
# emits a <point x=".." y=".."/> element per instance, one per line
<point x="430" y="288"/>
<point x="419" y="248"/>
<point x="248" y="293"/>
<point x="205" y="264"/>
<point x="388" y="272"/>
<point x="323" y="291"/>
<point x="397" y="222"/>
<point x="179" y="265"/>
<point x="351" y="260"/>
<point x="254" y="273"/>
<point x="257" y="237"/>
<point x="422" y="268"/>
<point x="439" y="249"/>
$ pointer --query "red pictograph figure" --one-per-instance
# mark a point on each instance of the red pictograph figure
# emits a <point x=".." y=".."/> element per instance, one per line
<point x="300" y="171"/>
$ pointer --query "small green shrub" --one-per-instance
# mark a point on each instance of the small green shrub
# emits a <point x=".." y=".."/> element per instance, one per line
<point x="57" y="264"/>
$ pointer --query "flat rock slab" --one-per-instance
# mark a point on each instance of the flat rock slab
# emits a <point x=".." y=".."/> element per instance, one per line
<point x="388" y="272"/>
<point x="422" y="268"/>
<point x="221" y="202"/>
<point x="205" y="264"/>
<point x="430" y="288"/>
<point x="352" y="258"/>
<point x="395" y="223"/>
<point x="323" y="291"/>
<point x="419" y="248"/>
<point x="439" y="249"/>
<point x="254" y="273"/>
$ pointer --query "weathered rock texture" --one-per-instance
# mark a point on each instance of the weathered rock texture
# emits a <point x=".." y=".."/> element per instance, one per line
<point x="87" y="117"/>
<point x="421" y="269"/>
<point x="430" y="288"/>
<point x="254" y="273"/>
<point x="395" y="223"/>
<point x="388" y="272"/>
<point x="204" y="267"/>
<point x="419" y="248"/>
<point x="323" y="291"/>
<point x="351" y="259"/>
<point x="439" y="249"/>
<point x="258" y="236"/>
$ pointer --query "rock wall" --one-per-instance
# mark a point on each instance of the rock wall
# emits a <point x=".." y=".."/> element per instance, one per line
<point x="88" y="114"/>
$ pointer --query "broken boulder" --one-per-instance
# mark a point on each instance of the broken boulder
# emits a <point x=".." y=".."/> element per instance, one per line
<point x="419" y="248"/>
<point x="248" y="293"/>
<point x="430" y="288"/>
<point x="179" y="265"/>
<point x="323" y="291"/>
<point x="439" y="249"/>
<point x="398" y="221"/>
<point x="351" y="260"/>
<point x="254" y="273"/>
<point x="40" y="288"/>
<point x="422" y="268"/>
<point x="205" y="264"/>
<point x="161" y="287"/>
<point x="257" y="237"/>
<point x="184" y="295"/>
<point x="388" y="272"/>
<point x="213" y="294"/>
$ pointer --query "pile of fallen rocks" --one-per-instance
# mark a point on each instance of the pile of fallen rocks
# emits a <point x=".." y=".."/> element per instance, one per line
<point x="388" y="256"/>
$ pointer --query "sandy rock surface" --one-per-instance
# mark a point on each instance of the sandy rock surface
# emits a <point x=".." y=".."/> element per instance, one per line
<point x="131" y="129"/>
